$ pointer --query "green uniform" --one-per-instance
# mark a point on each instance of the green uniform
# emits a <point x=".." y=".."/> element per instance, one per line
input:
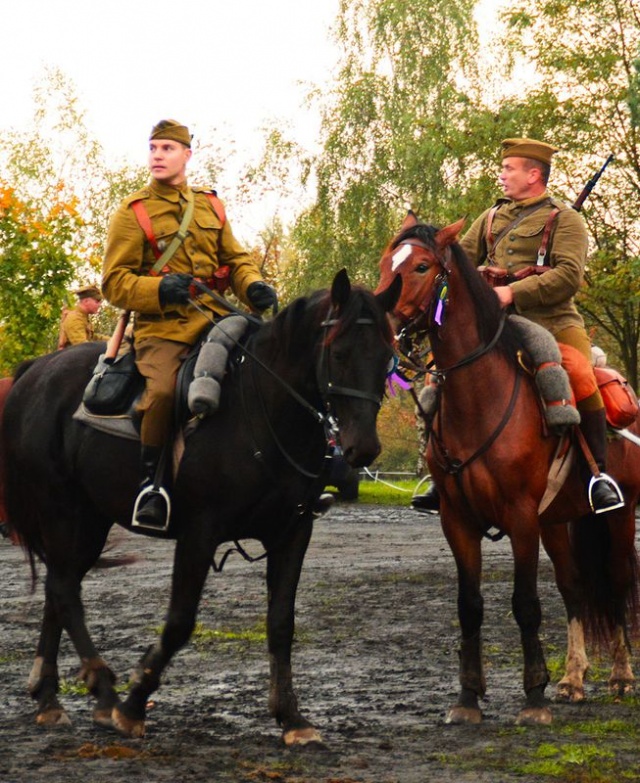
<point x="126" y="280"/>
<point x="546" y="299"/>
<point x="162" y="335"/>
<point x="76" y="328"/>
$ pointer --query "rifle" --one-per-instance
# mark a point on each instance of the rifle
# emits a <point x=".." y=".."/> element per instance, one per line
<point x="577" y="204"/>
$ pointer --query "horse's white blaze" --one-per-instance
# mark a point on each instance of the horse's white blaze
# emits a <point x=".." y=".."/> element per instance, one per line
<point x="399" y="256"/>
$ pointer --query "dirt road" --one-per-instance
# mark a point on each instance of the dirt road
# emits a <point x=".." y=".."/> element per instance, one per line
<point x="375" y="665"/>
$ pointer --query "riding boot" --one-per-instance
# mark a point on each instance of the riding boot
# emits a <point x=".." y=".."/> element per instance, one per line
<point x="603" y="492"/>
<point x="152" y="505"/>
<point x="429" y="502"/>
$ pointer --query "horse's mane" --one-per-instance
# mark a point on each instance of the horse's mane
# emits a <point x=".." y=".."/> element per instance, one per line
<point x="304" y="316"/>
<point x="487" y="306"/>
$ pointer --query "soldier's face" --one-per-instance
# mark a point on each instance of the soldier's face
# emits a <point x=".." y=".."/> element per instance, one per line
<point x="519" y="180"/>
<point x="168" y="161"/>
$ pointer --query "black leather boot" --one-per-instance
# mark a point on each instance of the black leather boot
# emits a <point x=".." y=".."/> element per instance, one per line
<point x="429" y="502"/>
<point x="603" y="492"/>
<point x="152" y="507"/>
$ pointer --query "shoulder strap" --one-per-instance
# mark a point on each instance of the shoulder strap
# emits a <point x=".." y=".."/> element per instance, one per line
<point x="142" y="216"/>
<point x="218" y="206"/>
<point x="542" y="250"/>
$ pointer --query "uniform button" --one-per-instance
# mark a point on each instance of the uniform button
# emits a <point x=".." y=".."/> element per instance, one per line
<point x="509" y="264"/>
<point x="510" y="250"/>
<point x="512" y="237"/>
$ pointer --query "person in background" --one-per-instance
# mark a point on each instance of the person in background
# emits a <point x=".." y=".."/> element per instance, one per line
<point x="159" y="240"/>
<point x="527" y="228"/>
<point x="75" y="324"/>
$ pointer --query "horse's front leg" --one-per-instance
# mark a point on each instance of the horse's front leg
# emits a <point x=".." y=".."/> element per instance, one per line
<point x="528" y="615"/>
<point x="284" y="565"/>
<point x="192" y="561"/>
<point x="466" y="548"/>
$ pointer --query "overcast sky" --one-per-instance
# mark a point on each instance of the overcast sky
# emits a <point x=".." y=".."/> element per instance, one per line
<point x="210" y="64"/>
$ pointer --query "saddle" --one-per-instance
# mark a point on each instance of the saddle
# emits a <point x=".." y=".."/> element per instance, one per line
<point x="111" y="397"/>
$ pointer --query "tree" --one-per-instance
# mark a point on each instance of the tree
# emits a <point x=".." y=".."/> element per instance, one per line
<point x="36" y="268"/>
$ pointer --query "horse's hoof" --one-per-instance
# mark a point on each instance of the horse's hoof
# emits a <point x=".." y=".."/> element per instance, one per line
<point x="534" y="716"/>
<point x="301" y="737"/>
<point x="567" y="692"/>
<point x="126" y="726"/>
<point x="458" y="716"/>
<point x="53" y="719"/>
<point x="621" y="688"/>
<point x="103" y="718"/>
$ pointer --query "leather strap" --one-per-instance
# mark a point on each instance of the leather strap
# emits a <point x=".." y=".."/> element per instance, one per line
<point x="144" y="221"/>
<point x="491" y="242"/>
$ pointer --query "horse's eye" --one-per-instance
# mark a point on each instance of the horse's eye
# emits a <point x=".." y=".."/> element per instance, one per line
<point x="422" y="268"/>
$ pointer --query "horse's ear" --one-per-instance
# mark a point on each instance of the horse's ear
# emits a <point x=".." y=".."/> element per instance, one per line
<point x="388" y="298"/>
<point x="409" y="221"/>
<point x="340" y="288"/>
<point x="449" y="234"/>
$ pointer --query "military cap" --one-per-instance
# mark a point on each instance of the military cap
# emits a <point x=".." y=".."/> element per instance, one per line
<point x="528" y="148"/>
<point x="88" y="292"/>
<point x="172" y="130"/>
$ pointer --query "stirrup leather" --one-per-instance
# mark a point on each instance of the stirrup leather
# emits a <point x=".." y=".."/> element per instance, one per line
<point x="611" y="482"/>
<point x="142" y="495"/>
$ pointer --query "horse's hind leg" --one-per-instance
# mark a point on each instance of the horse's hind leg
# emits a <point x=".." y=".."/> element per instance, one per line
<point x="555" y="539"/>
<point x="467" y="554"/>
<point x="64" y="606"/>
<point x="526" y="610"/>
<point x="43" y="680"/>
<point x="283" y="574"/>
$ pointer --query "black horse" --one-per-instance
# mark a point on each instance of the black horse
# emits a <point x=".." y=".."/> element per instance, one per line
<point x="251" y="470"/>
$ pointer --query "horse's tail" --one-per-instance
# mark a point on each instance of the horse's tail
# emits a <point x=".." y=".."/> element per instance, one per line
<point x="609" y="581"/>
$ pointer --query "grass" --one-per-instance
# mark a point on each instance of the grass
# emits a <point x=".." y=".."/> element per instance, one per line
<point x="389" y="493"/>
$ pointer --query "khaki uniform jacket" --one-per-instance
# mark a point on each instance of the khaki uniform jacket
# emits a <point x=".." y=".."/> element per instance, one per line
<point x="546" y="299"/>
<point x="75" y="328"/>
<point x="126" y="279"/>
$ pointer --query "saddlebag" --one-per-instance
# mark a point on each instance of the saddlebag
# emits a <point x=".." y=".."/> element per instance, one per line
<point x="113" y="386"/>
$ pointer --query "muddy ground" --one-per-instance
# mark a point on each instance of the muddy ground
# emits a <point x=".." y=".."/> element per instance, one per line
<point x="375" y="664"/>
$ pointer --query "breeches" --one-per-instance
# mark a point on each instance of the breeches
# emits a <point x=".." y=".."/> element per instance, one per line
<point x="581" y="375"/>
<point x="158" y="361"/>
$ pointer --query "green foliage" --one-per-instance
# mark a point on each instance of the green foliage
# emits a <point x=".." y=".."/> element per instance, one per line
<point x="36" y="267"/>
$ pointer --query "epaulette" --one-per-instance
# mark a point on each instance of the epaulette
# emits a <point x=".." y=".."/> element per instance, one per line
<point x="144" y="193"/>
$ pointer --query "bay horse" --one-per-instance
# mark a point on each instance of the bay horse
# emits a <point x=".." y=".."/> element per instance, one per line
<point x="314" y="372"/>
<point x="489" y="453"/>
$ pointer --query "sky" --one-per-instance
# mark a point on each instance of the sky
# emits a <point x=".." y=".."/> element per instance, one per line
<point x="210" y="64"/>
<point x="229" y="65"/>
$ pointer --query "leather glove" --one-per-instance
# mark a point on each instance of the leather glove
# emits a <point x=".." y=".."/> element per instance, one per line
<point x="262" y="296"/>
<point x="174" y="289"/>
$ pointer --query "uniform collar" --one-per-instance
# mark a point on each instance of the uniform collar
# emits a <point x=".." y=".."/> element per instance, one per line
<point x="529" y="202"/>
<point x="168" y="192"/>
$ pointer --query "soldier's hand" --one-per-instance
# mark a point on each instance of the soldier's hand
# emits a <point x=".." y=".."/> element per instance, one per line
<point x="174" y="289"/>
<point x="262" y="296"/>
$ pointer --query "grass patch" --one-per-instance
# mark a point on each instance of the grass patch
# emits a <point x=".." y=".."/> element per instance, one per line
<point x="203" y="636"/>
<point x="392" y="493"/>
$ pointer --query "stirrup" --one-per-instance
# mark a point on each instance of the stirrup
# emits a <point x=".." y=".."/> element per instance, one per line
<point x="150" y="490"/>
<point x="611" y="482"/>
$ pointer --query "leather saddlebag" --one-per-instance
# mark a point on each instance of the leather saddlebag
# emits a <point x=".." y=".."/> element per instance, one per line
<point x="619" y="398"/>
<point x="113" y="386"/>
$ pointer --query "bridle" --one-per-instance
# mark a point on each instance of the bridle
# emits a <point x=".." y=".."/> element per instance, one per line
<point x="411" y="331"/>
<point x="327" y="388"/>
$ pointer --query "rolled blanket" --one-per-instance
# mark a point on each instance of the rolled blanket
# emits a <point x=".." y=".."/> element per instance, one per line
<point x="550" y="377"/>
<point x="205" y="388"/>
